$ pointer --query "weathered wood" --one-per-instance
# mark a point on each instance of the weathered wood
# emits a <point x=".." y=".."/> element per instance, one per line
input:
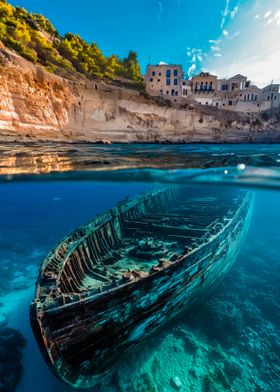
<point x="114" y="281"/>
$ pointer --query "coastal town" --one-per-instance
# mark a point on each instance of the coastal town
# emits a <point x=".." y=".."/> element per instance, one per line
<point x="236" y="93"/>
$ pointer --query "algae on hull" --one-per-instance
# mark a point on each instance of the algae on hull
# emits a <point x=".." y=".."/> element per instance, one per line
<point x="116" y="280"/>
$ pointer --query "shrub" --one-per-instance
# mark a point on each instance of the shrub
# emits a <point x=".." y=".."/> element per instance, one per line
<point x="36" y="39"/>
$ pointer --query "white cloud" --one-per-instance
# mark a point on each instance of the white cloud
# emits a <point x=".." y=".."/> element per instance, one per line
<point x="267" y="14"/>
<point x="215" y="44"/>
<point x="225" y="14"/>
<point x="255" y="49"/>
<point x="274" y="19"/>
<point x="277" y="17"/>
<point x="191" y="70"/>
<point x="236" y="34"/>
<point x="228" y="12"/>
<point x="234" y="11"/>
<point x="195" y="56"/>
<point x="214" y="41"/>
<point x="215" y="48"/>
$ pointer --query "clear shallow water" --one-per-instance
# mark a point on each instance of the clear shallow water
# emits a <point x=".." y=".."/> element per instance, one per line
<point x="230" y="342"/>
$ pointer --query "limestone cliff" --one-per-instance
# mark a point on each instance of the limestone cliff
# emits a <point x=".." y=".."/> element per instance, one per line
<point x="36" y="105"/>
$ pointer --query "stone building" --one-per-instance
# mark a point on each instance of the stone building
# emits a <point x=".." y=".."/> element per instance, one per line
<point x="249" y="100"/>
<point x="271" y="95"/>
<point x="164" y="80"/>
<point x="186" y="88"/>
<point x="235" y="83"/>
<point x="235" y="93"/>
<point x="204" y="84"/>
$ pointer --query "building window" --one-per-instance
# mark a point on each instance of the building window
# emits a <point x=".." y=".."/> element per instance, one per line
<point x="167" y="92"/>
<point x="158" y="80"/>
<point x="168" y="73"/>
<point x="175" y="72"/>
<point x="184" y="83"/>
<point x="153" y="73"/>
<point x="172" y="92"/>
<point x="168" y="82"/>
<point x="161" y="91"/>
<point x="151" y="80"/>
<point x="159" y="74"/>
<point x="175" y="82"/>
<point x="184" y="92"/>
<point x="176" y="93"/>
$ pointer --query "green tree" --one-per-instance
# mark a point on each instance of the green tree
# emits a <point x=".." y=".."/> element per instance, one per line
<point x="36" y="39"/>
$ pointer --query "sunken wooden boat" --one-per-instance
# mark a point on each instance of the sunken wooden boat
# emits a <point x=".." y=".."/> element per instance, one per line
<point x="114" y="281"/>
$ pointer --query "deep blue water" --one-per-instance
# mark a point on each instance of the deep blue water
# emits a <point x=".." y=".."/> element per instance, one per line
<point x="231" y="341"/>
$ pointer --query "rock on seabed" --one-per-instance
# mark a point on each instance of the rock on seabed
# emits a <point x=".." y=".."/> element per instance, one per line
<point x="11" y="345"/>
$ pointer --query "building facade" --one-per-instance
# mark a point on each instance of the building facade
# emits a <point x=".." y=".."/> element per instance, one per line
<point x="271" y="94"/>
<point x="204" y="84"/>
<point x="235" y="93"/>
<point x="186" y="88"/>
<point x="164" y="80"/>
<point x="235" y="83"/>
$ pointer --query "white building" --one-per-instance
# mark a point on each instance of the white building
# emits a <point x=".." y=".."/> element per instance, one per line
<point x="186" y="88"/>
<point x="271" y="95"/>
<point x="235" y="83"/>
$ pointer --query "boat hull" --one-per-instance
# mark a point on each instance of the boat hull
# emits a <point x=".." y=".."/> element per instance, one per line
<point x="84" y="340"/>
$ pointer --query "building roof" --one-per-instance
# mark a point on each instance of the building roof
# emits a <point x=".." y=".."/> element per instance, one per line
<point x="204" y="74"/>
<point x="252" y="88"/>
<point x="271" y="85"/>
<point x="238" y="76"/>
<point x="163" y="64"/>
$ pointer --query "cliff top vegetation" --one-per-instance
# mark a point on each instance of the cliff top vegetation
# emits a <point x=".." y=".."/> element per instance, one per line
<point x="36" y="39"/>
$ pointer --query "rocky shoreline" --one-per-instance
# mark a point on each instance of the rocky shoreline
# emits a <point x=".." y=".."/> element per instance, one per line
<point x="36" y="105"/>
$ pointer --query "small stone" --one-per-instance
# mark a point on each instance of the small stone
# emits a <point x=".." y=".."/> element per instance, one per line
<point x="176" y="382"/>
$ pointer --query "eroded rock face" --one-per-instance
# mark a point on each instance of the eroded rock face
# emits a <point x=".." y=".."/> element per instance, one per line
<point x="36" y="105"/>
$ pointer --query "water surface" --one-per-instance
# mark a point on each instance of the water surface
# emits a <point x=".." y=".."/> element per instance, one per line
<point x="230" y="342"/>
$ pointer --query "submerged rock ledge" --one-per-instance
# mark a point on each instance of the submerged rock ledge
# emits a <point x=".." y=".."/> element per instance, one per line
<point x="37" y="105"/>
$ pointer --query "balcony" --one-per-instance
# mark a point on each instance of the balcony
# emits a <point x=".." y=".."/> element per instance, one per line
<point x="204" y="92"/>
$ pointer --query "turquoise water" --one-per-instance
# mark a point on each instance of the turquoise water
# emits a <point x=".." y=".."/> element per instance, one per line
<point x="230" y="342"/>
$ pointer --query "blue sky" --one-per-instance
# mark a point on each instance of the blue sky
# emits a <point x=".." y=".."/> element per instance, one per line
<point x="224" y="37"/>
